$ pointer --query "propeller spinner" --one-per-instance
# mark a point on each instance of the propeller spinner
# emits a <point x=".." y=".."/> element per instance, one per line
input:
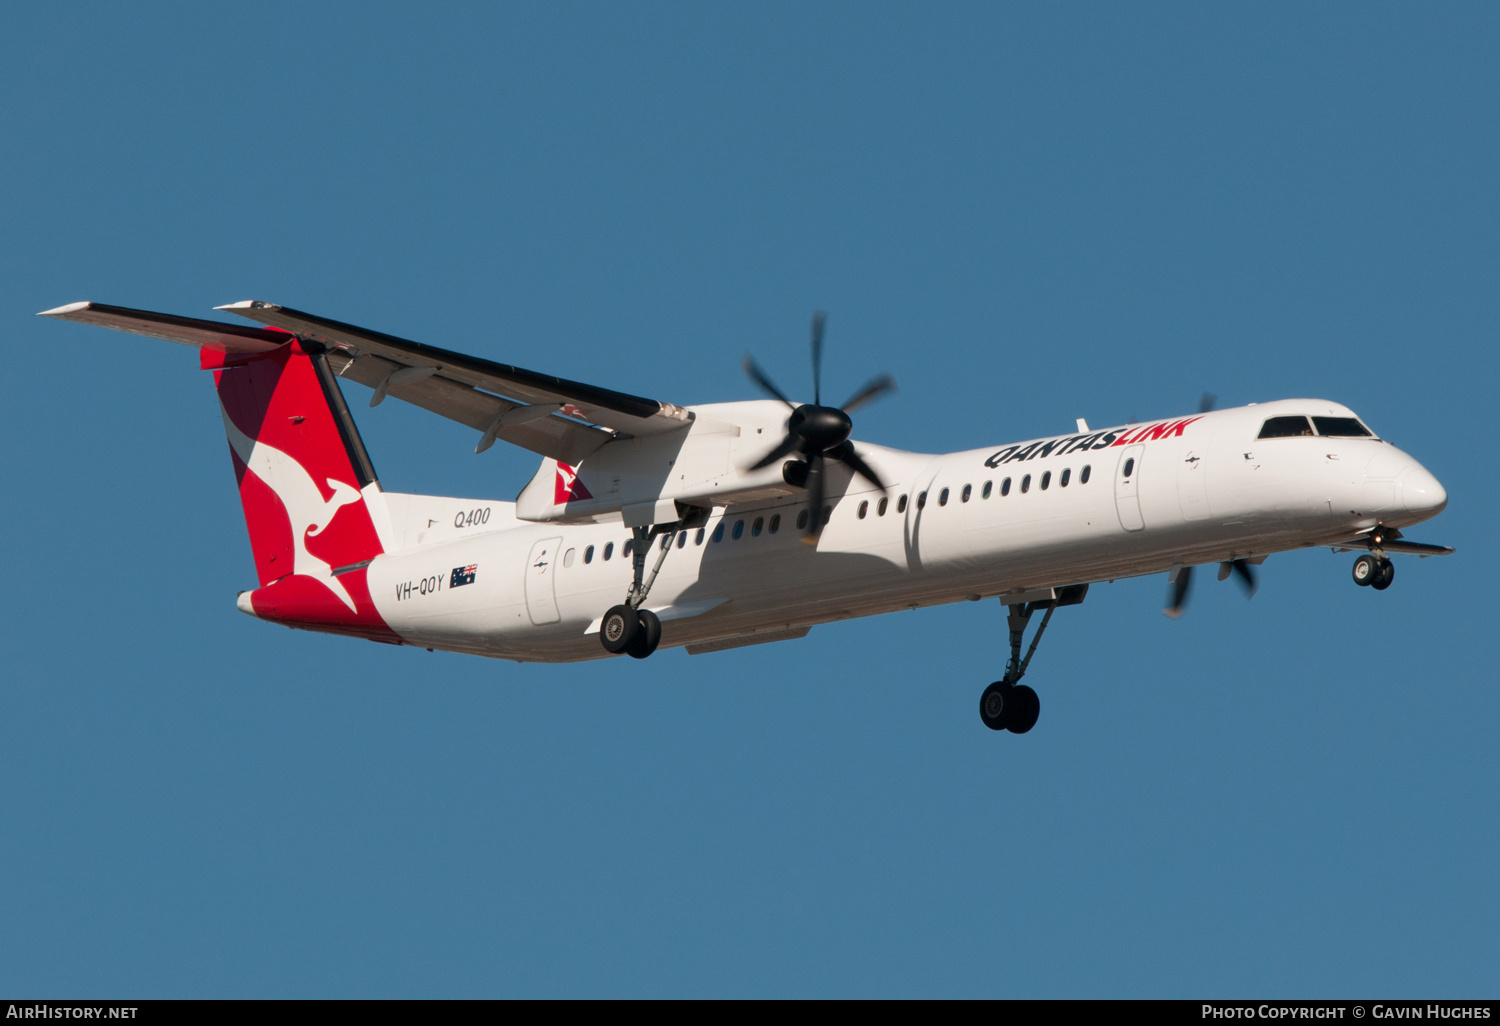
<point x="816" y="432"/>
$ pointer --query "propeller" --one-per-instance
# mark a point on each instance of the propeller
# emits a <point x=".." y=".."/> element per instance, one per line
<point x="1182" y="578"/>
<point x="817" y="433"/>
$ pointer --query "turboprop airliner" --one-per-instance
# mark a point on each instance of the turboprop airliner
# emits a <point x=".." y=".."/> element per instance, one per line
<point x="722" y="525"/>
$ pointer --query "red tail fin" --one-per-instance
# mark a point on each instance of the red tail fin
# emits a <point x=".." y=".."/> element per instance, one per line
<point x="306" y="486"/>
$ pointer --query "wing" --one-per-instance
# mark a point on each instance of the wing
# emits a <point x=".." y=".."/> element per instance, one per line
<point x="389" y="356"/>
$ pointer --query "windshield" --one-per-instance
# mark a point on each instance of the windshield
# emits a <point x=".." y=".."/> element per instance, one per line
<point x="1341" y="427"/>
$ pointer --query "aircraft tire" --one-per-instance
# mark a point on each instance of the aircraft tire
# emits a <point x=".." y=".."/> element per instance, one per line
<point x="1386" y="575"/>
<point x="1025" y="708"/>
<point x="1366" y="570"/>
<point x="995" y="705"/>
<point x="649" y="636"/>
<point x="619" y="628"/>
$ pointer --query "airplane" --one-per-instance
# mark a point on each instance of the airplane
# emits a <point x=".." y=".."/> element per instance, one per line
<point x="759" y="520"/>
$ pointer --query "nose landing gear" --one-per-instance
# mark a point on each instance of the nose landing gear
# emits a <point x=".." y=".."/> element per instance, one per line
<point x="1372" y="571"/>
<point x="1008" y="704"/>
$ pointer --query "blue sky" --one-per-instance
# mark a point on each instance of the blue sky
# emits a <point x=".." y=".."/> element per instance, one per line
<point x="1027" y="214"/>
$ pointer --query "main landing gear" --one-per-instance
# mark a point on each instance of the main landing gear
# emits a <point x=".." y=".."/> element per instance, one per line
<point x="627" y="628"/>
<point x="1008" y="704"/>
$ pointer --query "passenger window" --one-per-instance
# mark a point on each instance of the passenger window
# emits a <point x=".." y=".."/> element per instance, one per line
<point x="1025" y="484"/>
<point x="864" y="507"/>
<point x="1285" y="427"/>
<point x="1129" y="467"/>
<point x="1005" y="487"/>
<point x="922" y="501"/>
<point x="755" y="528"/>
<point x="699" y="540"/>
<point x="609" y="550"/>
<point x="880" y="507"/>
<point x="827" y="514"/>
<point x="739" y="529"/>
<point x="1062" y="482"/>
<point x="1341" y="427"/>
<point x="1046" y="480"/>
<point x="775" y="523"/>
<point x="943" y="497"/>
<point x="1083" y="476"/>
<point x="588" y="555"/>
<point x="719" y="532"/>
<point x="666" y="541"/>
<point x="968" y="491"/>
<point x="625" y="549"/>
<point x="901" y="504"/>
<point x="988" y="487"/>
<point x="568" y="557"/>
<point x="802" y="520"/>
<point x="681" y="539"/>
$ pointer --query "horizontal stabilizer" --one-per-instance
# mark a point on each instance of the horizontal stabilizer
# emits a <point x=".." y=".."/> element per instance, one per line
<point x="630" y="414"/>
<point x="187" y="331"/>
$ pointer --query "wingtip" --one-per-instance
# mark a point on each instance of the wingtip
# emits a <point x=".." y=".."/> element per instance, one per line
<point x="63" y="311"/>
<point x="246" y="305"/>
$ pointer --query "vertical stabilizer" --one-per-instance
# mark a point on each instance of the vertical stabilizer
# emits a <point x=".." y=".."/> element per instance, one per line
<point x="307" y="487"/>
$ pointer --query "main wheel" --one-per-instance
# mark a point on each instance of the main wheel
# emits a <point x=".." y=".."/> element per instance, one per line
<point x="648" y="637"/>
<point x="1025" y="708"/>
<point x="1366" y="570"/>
<point x="619" y="628"/>
<point x="995" y="704"/>
<point x="1386" y="575"/>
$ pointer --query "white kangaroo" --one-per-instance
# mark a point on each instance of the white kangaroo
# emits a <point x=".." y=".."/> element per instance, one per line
<point x="304" y="504"/>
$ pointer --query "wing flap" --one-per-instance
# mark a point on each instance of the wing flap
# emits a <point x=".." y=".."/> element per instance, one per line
<point x="186" y="331"/>
<point x="628" y="414"/>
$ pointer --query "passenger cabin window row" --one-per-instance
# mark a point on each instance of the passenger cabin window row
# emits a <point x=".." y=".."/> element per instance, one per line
<point x="773" y="525"/>
<point x="1298" y="427"/>
<point x="1064" y="478"/>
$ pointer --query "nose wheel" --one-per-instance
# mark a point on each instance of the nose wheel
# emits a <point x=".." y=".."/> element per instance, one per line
<point x="1371" y="571"/>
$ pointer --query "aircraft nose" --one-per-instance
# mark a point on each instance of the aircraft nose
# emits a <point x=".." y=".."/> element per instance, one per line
<point x="1422" y="493"/>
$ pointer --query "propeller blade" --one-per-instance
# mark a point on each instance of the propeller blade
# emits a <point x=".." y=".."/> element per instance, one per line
<point x="1246" y="576"/>
<point x="786" y="448"/>
<point x="819" y="318"/>
<point x="754" y="373"/>
<point x="816" y="466"/>
<point x="1207" y="401"/>
<point x="874" y="390"/>
<point x="847" y="454"/>
<point x="1180" y="585"/>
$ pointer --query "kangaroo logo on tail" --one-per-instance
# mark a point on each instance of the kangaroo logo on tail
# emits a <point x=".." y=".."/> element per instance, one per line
<point x="305" y="506"/>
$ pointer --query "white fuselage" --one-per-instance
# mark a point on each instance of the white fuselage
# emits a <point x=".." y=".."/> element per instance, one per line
<point x="1210" y="492"/>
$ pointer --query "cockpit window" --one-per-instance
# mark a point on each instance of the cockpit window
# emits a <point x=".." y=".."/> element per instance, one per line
<point x="1341" y="427"/>
<point x="1285" y="427"/>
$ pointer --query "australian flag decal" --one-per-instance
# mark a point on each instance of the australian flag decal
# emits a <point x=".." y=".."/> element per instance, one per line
<point x="463" y="575"/>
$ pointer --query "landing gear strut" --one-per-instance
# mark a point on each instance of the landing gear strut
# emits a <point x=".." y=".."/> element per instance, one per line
<point x="627" y="627"/>
<point x="1008" y="704"/>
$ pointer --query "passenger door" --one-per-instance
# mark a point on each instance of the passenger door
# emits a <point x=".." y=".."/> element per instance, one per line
<point x="1127" y="488"/>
